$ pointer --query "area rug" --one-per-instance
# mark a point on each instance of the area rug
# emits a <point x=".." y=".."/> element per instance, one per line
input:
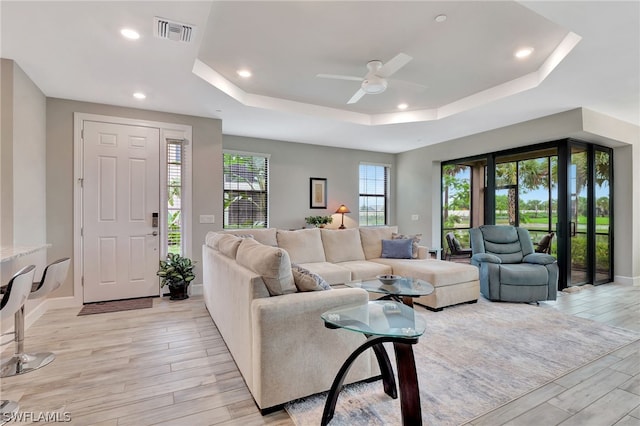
<point x="473" y="359"/>
<point x="116" y="305"/>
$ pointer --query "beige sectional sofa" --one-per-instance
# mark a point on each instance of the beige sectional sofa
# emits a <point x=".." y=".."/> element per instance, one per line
<point x="275" y="333"/>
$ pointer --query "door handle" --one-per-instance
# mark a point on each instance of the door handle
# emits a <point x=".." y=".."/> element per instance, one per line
<point x="154" y="234"/>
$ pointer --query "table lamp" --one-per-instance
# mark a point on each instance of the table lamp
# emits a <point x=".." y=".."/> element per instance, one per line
<point x="342" y="210"/>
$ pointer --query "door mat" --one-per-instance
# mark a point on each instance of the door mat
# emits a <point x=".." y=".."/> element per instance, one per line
<point x="116" y="306"/>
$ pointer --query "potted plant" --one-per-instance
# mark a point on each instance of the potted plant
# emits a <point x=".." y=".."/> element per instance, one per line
<point x="318" y="221"/>
<point x="177" y="273"/>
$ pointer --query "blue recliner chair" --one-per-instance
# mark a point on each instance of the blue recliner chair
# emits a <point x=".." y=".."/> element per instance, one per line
<point x="510" y="269"/>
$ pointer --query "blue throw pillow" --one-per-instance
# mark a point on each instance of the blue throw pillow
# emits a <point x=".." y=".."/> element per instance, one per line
<point x="397" y="249"/>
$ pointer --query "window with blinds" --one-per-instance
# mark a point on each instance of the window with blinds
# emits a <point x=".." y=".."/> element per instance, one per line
<point x="374" y="181"/>
<point x="174" y="196"/>
<point x="245" y="190"/>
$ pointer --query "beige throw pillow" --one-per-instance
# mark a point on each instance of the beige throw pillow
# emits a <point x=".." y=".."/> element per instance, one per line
<point x="303" y="245"/>
<point x="416" y="240"/>
<point x="308" y="281"/>
<point x="341" y="245"/>
<point x="272" y="263"/>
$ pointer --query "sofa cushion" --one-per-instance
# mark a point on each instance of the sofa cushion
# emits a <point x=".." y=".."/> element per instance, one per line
<point x="303" y="245"/>
<point x="228" y="245"/>
<point x="332" y="273"/>
<point x="272" y="263"/>
<point x="365" y="270"/>
<point x="266" y="236"/>
<point x="415" y="238"/>
<point x="306" y="280"/>
<point x="371" y="238"/>
<point x="341" y="245"/>
<point x="211" y="239"/>
<point x="397" y="249"/>
<point x="437" y="272"/>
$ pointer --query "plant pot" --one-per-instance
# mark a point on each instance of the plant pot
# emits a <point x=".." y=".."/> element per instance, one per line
<point x="178" y="292"/>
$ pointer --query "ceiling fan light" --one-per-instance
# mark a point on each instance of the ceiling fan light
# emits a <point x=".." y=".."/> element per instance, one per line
<point x="374" y="85"/>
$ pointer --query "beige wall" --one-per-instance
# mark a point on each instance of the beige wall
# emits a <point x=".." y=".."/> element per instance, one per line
<point x="6" y="152"/>
<point x="419" y="175"/>
<point x="207" y="174"/>
<point x="22" y="170"/>
<point x="292" y="164"/>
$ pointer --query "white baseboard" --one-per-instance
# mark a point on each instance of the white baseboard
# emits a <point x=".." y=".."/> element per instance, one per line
<point x="195" y="290"/>
<point x="33" y="313"/>
<point x="635" y="281"/>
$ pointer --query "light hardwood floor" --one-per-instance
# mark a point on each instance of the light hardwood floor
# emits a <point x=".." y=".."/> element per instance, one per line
<point x="168" y="365"/>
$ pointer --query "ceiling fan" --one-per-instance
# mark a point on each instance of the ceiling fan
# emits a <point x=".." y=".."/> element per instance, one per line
<point x="376" y="79"/>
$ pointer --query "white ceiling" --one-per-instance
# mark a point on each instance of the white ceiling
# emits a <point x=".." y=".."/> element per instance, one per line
<point x="73" y="50"/>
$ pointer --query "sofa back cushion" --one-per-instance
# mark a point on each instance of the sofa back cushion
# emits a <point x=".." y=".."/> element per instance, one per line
<point x="371" y="238"/>
<point x="266" y="236"/>
<point x="272" y="263"/>
<point x="342" y="245"/>
<point x="303" y="245"/>
<point x="228" y="245"/>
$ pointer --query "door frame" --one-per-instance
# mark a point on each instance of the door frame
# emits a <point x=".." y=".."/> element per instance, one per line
<point x="167" y="131"/>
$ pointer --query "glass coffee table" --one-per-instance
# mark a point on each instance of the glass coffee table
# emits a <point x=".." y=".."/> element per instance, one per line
<point x="403" y="290"/>
<point x="381" y="321"/>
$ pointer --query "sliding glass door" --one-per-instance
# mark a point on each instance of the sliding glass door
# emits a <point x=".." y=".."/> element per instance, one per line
<point x="603" y="218"/>
<point x="578" y="214"/>
<point x="564" y="187"/>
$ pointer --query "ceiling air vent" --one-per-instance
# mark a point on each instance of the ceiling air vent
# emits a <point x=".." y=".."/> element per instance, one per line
<point x="173" y="30"/>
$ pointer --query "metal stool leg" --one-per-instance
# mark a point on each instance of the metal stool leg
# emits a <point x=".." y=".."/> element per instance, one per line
<point x="21" y="362"/>
<point x="7" y="409"/>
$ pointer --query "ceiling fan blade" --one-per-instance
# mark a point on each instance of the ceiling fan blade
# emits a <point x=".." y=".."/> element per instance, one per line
<point x="340" y="77"/>
<point x="411" y="84"/>
<point x="355" y="98"/>
<point x="393" y="65"/>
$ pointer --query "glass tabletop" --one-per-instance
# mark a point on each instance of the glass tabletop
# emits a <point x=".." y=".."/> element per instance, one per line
<point x="379" y="318"/>
<point x="405" y="286"/>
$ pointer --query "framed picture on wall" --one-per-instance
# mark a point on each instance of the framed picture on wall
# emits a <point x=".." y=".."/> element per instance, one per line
<point x="318" y="193"/>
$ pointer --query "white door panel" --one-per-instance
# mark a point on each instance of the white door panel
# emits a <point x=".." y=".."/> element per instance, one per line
<point x="120" y="194"/>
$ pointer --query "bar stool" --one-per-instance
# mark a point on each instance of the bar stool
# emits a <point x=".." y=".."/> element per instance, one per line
<point x="52" y="277"/>
<point x="12" y="303"/>
<point x="7" y="408"/>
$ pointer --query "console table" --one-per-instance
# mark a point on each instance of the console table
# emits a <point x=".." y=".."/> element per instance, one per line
<point x="380" y="322"/>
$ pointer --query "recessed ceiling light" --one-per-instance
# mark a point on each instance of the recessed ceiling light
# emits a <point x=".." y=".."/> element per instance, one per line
<point x="524" y="52"/>
<point x="244" y="73"/>
<point x="129" y="33"/>
<point x="139" y="95"/>
<point x="440" y="18"/>
<point x="403" y="106"/>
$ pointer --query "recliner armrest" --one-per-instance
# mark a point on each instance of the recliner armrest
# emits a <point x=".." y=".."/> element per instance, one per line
<point x="479" y="258"/>
<point x="539" y="258"/>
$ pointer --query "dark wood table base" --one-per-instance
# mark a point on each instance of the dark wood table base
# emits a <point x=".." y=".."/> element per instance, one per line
<point x="407" y="377"/>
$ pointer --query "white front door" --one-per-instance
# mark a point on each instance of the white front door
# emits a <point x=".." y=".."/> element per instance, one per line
<point x="121" y="189"/>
